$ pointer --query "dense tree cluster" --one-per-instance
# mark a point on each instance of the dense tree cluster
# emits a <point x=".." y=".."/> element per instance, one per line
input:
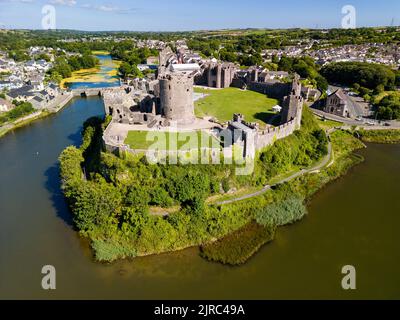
<point x="64" y="66"/>
<point x="306" y="68"/>
<point x="340" y="37"/>
<point x="389" y="107"/>
<point x="370" y="81"/>
<point x="131" y="57"/>
<point x="367" y="75"/>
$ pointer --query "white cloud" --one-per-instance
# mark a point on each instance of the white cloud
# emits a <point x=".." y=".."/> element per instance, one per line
<point x="23" y="1"/>
<point x="69" y="3"/>
<point x="108" y="8"/>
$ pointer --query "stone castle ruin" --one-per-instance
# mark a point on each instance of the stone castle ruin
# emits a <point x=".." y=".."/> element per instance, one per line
<point x="168" y="100"/>
<point x="176" y="97"/>
<point x="216" y="74"/>
<point x="253" y="139"/>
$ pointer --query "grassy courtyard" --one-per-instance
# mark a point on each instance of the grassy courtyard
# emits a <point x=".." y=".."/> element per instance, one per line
<point x="142" y="140"/>
<point x="222" y="104"/>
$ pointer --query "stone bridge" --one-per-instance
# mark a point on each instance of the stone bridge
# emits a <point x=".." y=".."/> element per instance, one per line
<point x="91" y="92"/>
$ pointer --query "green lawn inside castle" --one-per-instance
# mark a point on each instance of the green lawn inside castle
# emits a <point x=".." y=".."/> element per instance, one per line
<point x="222" y="104"/>
<point x="111" y="197"/>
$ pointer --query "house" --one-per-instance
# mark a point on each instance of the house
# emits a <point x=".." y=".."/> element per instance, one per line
<point x="340" y="104"/>
<point x="3" y="66"/>
<point x="10" y="84"/>
<point x="37" y="82"/>
<point x="38" y="102"/>
<point x="38" y="66"/>
<point x="53" y="89"/>
<point x="5" y="84"/>
<point x="5" y="105"/>
<point x="21" y="94"/>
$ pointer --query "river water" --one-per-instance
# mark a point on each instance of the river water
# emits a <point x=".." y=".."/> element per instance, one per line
<point x="352" y="221"/>
<point x="104" y="76"/>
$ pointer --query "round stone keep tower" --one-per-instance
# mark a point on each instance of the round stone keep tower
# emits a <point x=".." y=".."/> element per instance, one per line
<point x="176" y="97"/>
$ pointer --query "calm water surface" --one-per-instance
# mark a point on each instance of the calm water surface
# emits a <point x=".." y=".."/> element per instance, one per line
<point x="352" y="221"/>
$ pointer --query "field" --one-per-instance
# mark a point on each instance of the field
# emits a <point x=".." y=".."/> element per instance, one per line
<point x="142" y="140"/>
<point x="222" y="104"/>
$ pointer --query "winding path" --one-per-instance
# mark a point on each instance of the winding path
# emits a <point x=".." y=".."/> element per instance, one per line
<point x="326" y="162"/>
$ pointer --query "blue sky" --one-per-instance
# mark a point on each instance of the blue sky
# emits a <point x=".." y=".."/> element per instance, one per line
<point x="172" y="15"/>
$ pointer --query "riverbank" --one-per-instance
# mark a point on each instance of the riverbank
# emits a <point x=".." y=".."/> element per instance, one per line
<point x="380" y="136"/>
<point x="23" y="122"/>
<point x="55" y="106"/>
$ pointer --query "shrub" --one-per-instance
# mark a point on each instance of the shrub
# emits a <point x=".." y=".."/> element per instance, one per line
<point x="282" y="213"/>
<point x="110" y="250"/>
<point x="380" y="136"/>
<point x="237" y="247"/>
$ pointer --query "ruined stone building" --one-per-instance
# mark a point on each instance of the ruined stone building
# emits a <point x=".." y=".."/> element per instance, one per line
<point x="251" y="138"/>
<point x="130" y="106"/>
<point x="216" y="74"/>
<point x="176" y="96"/>
<point x="167" y="99"/>
<point x="292" y="104"/>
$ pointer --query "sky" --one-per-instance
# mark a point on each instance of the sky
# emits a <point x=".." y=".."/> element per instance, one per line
<point x="180" y="15"/>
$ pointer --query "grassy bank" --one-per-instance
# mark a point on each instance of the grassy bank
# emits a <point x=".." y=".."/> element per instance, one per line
<point x="19" y="124"/>
<point x="380" y="136"/>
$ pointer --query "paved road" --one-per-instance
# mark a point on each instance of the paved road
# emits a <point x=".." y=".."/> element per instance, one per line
<point x="324" y="163"/>
<point x="350" y="122"/>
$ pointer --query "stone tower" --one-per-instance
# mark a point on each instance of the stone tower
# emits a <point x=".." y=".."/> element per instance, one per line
<point x="176" y="97"/>
<point x="293" y="103"/>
